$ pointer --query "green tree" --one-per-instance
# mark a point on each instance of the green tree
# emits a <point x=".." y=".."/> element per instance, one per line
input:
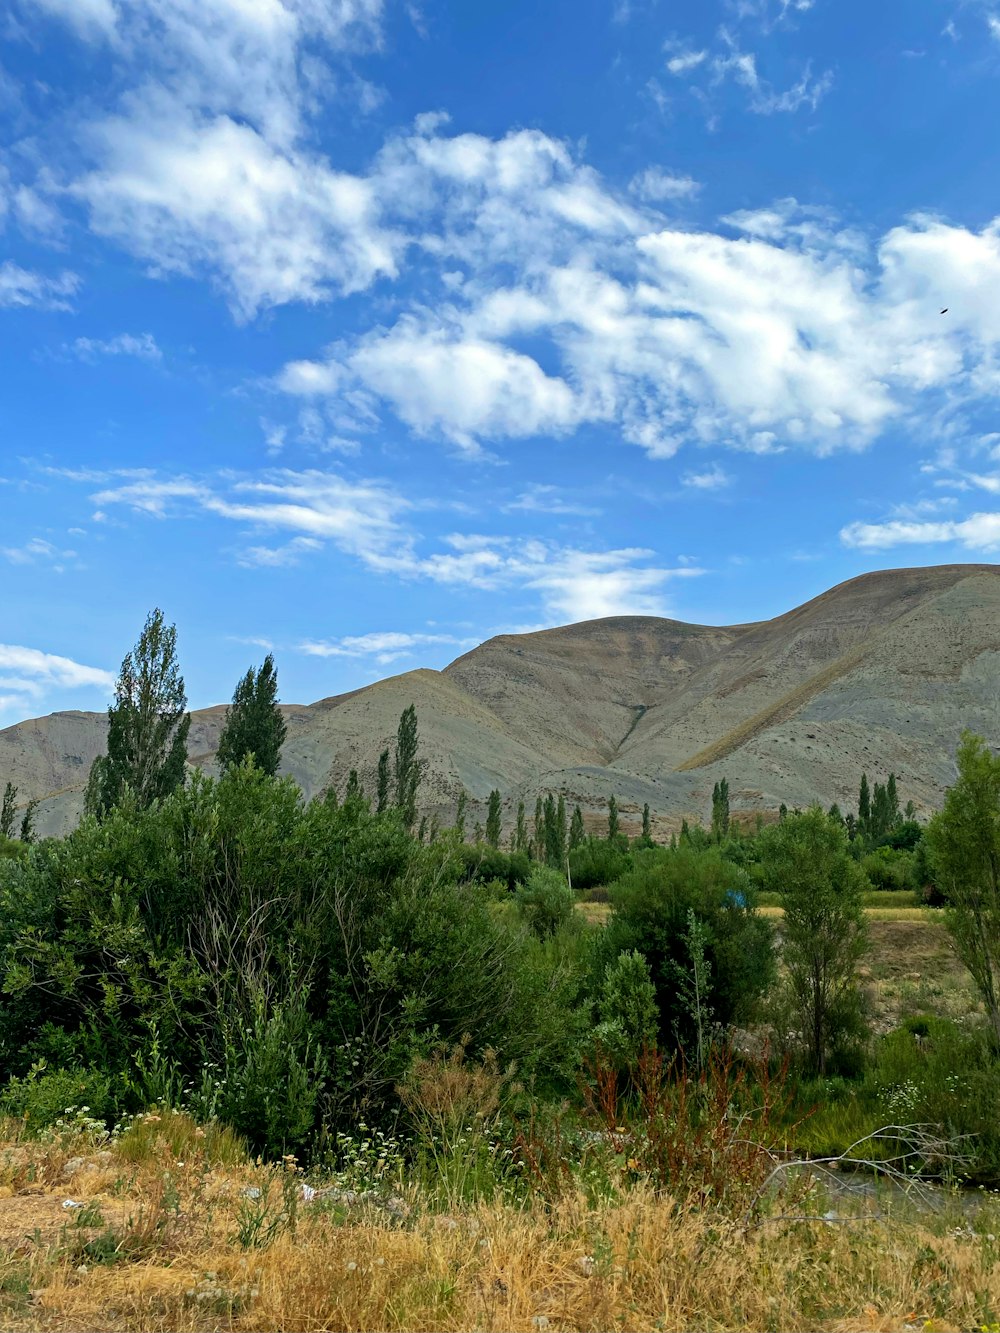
<point x="892" y="801"/>
<point x="805" y="859"/>
<point x="463" y="801"/>
<point x="732" y="944"/>
<point x="538" y="845"/>
<point x="521" y="839"/>
<point x="407" y="766"/>
<point x="647" y="836"/>
<point x="7" y="811"/>
<point x="382" y="784"/>
<point x="864" y="804"/>
<point x="576" y="833"/>
<point x="254" y="724"/>
<point x="28" y="822"/>
<point x="562" y="832"/>
<point x="147" y="725"/>
<point x="493" y="819"/>
<point x="353" y="792"/>
<point x="963" y="843"/>
<point x="613" y="826"/>
<point x="720" y="810"/>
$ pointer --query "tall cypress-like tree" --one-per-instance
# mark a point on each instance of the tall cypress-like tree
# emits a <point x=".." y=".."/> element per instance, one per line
<point x="463" y="801"/>
<point x="7" y="811"/>
<point x="148" y="725"/>
<point x="254" y="724"/>
<point x="892" y="801"/>
<point x="538" y="845"/>
<point x="407" y="766"/>
<point x="864" y="804"/>
<point x="521" y="838"/>
<point x="493" y="819"/>
<point x="28" y="822"/>
<point x="576" y="831"/>
<point x="613" y="826"/>
<point x="382" y="788"/>
<point x="562" y="830"/>
<point x="720" y="810"/>
<point x="647" y="835"/>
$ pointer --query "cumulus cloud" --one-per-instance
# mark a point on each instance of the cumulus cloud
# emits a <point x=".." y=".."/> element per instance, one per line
<point x="190" y="195"/>
<point x="22" y="287"/>
<point x="978" y="532"/>
<point x="712" y="479"/>
<point x="28" y="676"/>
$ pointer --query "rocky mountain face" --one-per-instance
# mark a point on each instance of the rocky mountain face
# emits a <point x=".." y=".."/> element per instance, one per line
<point x="880" y="674"/>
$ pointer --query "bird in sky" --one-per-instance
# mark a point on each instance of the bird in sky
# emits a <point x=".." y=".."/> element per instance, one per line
<point x="944" y="311"/>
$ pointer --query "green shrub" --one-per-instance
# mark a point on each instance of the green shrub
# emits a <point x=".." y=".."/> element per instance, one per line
<point x="627" y="1010"/>
<point x="889" y="870"/>
<point x="650" y="912"/>
<point x="598" y="861"/>
<point x="546" y="902"/>
<point x="46" y="1095"/>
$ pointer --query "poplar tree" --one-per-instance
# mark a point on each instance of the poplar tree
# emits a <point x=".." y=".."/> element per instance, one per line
<point x="646" y="833"/>
<point x="7" y="811"/>
<point x="407" y="766"/>
<point x="148" y="725"/>
<point x="613" y="825"/>
<point x="460" y="814"/>
<point x="28" y="822"/>
<point x="864" y="804"/>
<point x="493" y="819"/>
<point x="576" y="831"/>
<point x="254" y="724"/>
<point x="382" y="788"/>
<point x="521" y="830"/>
<point x="538" y="847"/>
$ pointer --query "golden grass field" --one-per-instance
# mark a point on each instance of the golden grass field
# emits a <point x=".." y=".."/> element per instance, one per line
<point x="156" y="1247"/>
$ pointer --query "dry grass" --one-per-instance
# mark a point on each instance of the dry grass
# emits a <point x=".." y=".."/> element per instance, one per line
<point x="157" y="1249"/>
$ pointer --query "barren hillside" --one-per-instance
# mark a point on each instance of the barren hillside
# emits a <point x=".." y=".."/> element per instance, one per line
<point x="881" y="672"/>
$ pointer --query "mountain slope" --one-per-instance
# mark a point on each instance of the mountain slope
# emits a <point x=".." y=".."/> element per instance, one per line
<point x="878" y="673"/>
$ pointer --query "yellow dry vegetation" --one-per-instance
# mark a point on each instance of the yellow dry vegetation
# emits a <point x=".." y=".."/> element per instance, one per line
<point x="179" y="1231"/>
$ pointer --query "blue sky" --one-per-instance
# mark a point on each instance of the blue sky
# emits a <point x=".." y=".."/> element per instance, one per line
<point x="364" y="330"/>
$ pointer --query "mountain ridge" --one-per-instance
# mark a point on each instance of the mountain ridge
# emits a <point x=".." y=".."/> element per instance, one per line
<point x="880" y="671"/>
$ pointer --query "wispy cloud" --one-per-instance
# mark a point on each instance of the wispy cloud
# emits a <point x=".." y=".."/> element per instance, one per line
<point x="384" y="646"/>
<point x="143" y="346"/>
<point x="38" y="551"/>
<point x="22" y="287"/>
<point x="657" y="186"/>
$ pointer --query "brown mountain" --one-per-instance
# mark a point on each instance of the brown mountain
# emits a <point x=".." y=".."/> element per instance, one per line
<point x="879" y="674"/>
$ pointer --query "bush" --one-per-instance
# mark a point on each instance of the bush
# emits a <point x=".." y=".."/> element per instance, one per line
<point x="482" y="864"/>
<point x="627" y="1010"/>
<point x="651" y="912"/>
<point x="46" y="1095"/>
<point x="889" y="870"/>
<point x="546" y="902"/>
<point x="598" y="861"/>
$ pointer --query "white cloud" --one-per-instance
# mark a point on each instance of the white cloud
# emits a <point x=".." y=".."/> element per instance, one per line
<point x="978" y="532"/>
<point x="993" y="24"/>
<point x="21" y="287"/>
<point x="464" y="387"/>
<point x="713" y="479"/>
<point x="141" y="345"/>
<point x="658" y="186"/>
<point x="91" y="18"/>
<point x="538" y="499"/>
<point x="188" y="195"/>
<point x="385" y="646"/>
<point x="35" y="551"/>
<point x="48" y="668"/>
<point x="685" y="62"/>
<point x="765" y="99"/>
<point x="365" y="520"/>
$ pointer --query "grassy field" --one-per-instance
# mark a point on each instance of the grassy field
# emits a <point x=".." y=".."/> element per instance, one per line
<point x="178" y="1230"/>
